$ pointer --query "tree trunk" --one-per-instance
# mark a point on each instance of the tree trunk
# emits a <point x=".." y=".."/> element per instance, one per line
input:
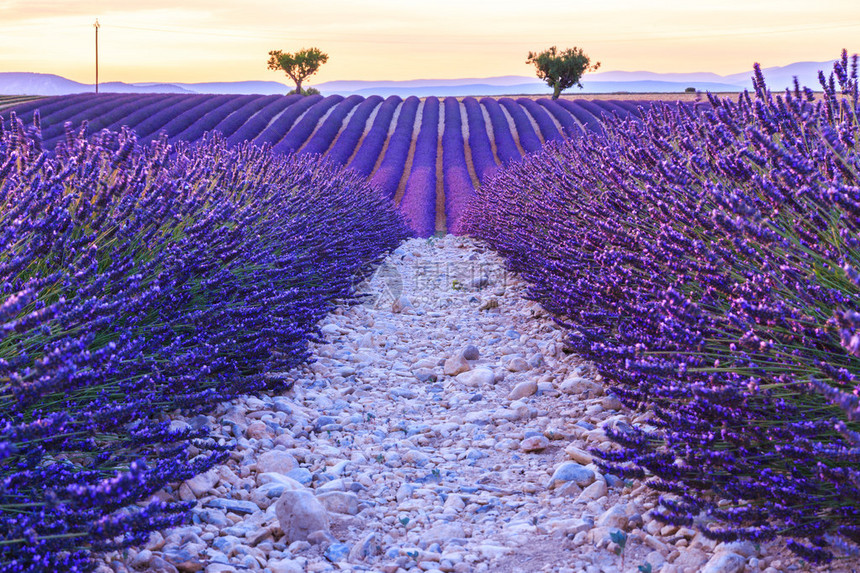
<point x="299" y="87"/>
<point x="556" y="91"/>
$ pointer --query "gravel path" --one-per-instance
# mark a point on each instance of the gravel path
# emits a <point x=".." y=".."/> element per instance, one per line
<point x="442" y="428"/>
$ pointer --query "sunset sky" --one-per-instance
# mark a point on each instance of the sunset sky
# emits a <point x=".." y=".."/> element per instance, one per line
<point x="219" y="40"/>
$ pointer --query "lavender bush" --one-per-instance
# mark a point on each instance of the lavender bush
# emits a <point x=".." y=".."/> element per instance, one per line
<point x="137" y="281"/>
<point x="707" y="261"/>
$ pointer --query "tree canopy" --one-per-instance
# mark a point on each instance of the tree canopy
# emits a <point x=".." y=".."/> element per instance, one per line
<point x="561" y="70"/>
<point x="298" y="66"/>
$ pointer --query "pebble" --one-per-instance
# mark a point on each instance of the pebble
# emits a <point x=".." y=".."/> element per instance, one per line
<point x="444" y="430"/>
<point x="299" y="513"/>
<point x="456" y="364"/>
<point x="725" y="562"/>
<point x="523" y="390"/>
<point x="571" y="472"/>
<point x="481" y="376"/>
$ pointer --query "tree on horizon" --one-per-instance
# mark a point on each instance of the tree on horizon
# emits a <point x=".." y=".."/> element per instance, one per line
<point x="298" y="66"/>
<point x="561" y="70"/>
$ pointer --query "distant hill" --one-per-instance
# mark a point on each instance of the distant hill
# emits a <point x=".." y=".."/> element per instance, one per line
<point x="778" y="78"/>
<point x="28" y="83"/>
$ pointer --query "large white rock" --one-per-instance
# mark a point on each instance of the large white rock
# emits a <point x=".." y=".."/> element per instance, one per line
<point x="456" y="365"/>
<point x="523" y="390"/>
<point x="339" y="501"/>
<point x="300" y="514"/>
<point x="480" y="376"/>
<point x="276" y="461"/>
<point x="202" y="483"/>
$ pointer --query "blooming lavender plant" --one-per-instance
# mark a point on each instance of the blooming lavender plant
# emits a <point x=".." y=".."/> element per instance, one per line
<point x="705" y="259"/>
<point x="136" y="281"/>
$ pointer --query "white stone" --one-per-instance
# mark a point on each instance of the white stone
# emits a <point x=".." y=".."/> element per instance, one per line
<point x="276" y="461"/>
<point x="523" y="390"/>
<point x="300" y="514"/>
<point x="480" y="376"/>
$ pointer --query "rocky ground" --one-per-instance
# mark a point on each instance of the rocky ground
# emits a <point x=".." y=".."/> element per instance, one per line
<point x="442" y="428"/>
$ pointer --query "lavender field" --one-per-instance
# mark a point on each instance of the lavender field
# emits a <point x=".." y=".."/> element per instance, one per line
<point x="380" y="139"/>
<point x="164" y="254"/>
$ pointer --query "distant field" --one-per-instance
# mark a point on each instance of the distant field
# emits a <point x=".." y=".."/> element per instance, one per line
<point x="428" y="155"/>
<point x="8" y="101"/>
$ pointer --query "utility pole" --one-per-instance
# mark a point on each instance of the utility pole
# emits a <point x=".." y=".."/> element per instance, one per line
<point x="96" y="26"/>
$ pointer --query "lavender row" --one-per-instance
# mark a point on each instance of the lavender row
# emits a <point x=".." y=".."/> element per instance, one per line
<point x="196" y="129"/>
<point x="138" y="281"/>
<point x="525" y="132"/>
<point x="545" y="124"/>
<point x="331" y="127"/>
<point x="318" y="125"/>
<point x="418" y="204"/>
<point x="281" y="126"/>
<point x="252" y="126"/>
<point x="483" y="158"/>
<point x="305" y="126"/>
<point x="390" y="171"/>
<point x="506" y="147"/>
<point x="367" y="156"/>
<point x="348" y="139"/>
<point x="706" y="260"/>
<point x="456" y="180"/>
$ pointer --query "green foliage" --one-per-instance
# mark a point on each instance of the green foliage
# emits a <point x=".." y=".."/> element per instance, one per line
<point x="298" y="66"/>
<point x="306" y="91"/>
<point x="620" y="539"/>
<point x="646" y="568"/>
<point x="690" y="90"/>
<point x="561" y="70"/>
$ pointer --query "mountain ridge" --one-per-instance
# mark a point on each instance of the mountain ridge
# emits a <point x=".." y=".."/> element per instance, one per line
<point x="619" y="81"/>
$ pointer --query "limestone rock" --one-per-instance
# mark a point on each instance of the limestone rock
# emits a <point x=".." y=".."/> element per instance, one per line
<point x="276" y="461"/>
<point x="339" y="502"/>
<point x="300" y="514"/>
<point x="456" y="365"/>
<point x="571" y="471"/>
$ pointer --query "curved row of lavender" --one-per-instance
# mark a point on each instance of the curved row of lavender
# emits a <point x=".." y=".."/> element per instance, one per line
<point x="457" y="182"/>
<point x="709" y="265"/>
<point x="418" y="204"/>
<point x="138" y="280"/>
<point x="371" y="135"/>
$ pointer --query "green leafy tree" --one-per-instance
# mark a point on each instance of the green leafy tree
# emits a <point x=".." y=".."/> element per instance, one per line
<point x="298" y="66"/>
<point x="561" y="70"/>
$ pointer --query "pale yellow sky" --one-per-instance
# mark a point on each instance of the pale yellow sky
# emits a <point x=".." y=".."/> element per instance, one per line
<point x="217" y="40"/>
